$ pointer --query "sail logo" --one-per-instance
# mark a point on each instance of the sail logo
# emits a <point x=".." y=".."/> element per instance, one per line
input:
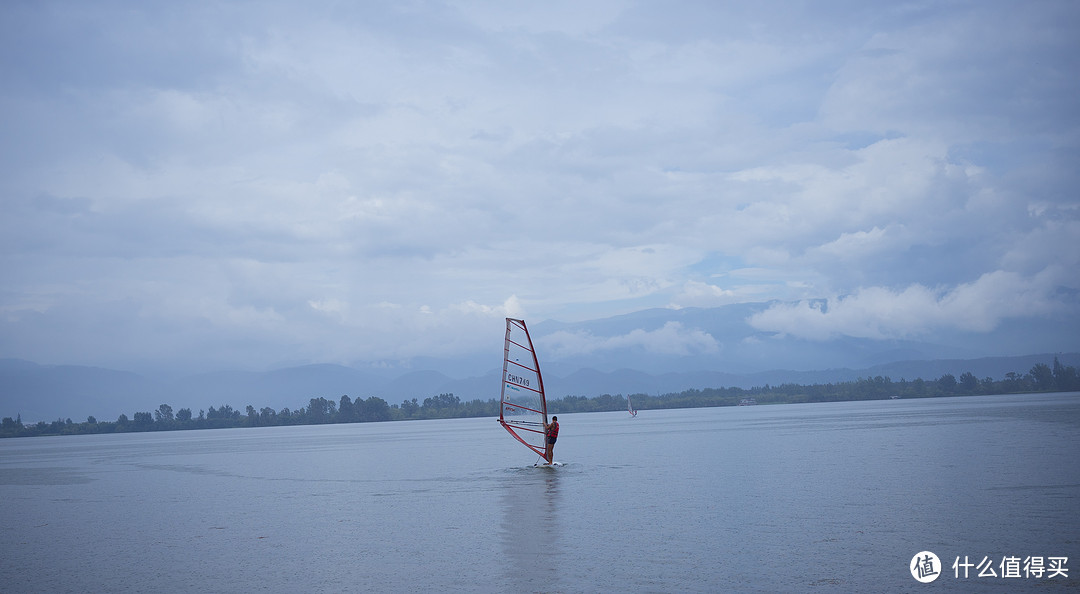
<point x="514" y="379"/>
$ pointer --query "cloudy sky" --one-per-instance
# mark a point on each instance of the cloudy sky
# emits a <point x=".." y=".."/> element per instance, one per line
<point x="257" y="184"/>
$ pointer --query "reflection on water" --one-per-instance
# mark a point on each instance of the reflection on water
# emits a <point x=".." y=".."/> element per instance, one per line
<point x="529" y="500"/>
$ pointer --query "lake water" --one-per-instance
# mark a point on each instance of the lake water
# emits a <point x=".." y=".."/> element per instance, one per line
<point x="788" y="498"/>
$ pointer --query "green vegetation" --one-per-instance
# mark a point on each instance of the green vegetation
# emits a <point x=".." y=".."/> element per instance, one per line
<point x="1041" y="378"/>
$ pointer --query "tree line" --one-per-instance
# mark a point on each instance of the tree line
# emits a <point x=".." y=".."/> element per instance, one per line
<point x="1041" y="378"/>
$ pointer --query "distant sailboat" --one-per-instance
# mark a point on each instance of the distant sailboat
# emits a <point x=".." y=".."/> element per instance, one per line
<point x="523" y="407"/>
<point x="630" y="407"/>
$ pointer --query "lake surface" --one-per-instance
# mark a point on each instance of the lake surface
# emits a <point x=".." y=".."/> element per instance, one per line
<point x="786" y="498"/>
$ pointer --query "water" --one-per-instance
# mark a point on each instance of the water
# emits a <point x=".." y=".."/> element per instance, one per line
<point x="792" y="498"/>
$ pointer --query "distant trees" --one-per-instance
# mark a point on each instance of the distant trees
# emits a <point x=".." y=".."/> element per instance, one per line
<point x="410" y="408"/>
<point x="1040" y="378"/>
<point x="443" y="406"/>
<point x="969" y="384"/>
<point x="346" y="409"/>
<point x="321" y="410"/>
<point x="947" y="383"/>
<point x="1066" y="378"/>
<point x="372" y="409"/>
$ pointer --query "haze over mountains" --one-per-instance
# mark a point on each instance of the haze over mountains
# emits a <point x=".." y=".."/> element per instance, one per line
<point x="651" y="351"/>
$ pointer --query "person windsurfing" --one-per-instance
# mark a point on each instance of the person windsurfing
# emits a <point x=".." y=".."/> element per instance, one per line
<point x="551" y="430"/>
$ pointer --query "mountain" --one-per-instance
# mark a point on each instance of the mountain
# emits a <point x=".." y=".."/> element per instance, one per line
<point x="664" y="340"/>
<point x="649" y="351"/>
<point x="46" y="393"/>
<point x="40" y="393"/>
<point x="281" y="388"/>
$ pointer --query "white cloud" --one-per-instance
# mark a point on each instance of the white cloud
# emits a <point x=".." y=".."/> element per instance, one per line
<point x="881" y="313"/>
<point x="328" y="182"/>
<point x="671" y="339"/>
<point x="741" y="288"/>
<point x="562" y="16"/>
<point x="695" y="293"/>
<point x="809" y="203"/>
<point x="1056" y="241"/>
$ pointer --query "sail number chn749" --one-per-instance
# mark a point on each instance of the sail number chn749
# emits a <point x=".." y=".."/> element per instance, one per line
<point x="514" y="379"/>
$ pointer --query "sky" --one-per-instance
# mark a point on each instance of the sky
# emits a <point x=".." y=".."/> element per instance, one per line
<point x="259" y="184"/>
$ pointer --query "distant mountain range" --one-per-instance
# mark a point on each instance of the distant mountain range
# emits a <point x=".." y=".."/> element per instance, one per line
<point x="650" y="351"/>
<point x="46" y="393"/>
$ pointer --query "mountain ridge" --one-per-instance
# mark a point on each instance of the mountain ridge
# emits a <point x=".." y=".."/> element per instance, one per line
<point x="48" y="392"/>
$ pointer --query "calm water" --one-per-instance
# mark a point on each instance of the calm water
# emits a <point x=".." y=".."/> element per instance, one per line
<point x="791" y="498"/>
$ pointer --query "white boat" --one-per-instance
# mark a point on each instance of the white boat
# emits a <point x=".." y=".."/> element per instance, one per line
<point x="630" y="407"/>
<point x="747" y="402"/>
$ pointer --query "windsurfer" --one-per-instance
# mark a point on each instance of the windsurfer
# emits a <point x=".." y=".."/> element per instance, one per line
<point x="551" y="430"/>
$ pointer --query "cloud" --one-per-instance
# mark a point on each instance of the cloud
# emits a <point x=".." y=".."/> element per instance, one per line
<point x="937" y="75"/>
<point x="255" y="183"/>
<point x="671" y="339"/>
<point x="915" y="311"/>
